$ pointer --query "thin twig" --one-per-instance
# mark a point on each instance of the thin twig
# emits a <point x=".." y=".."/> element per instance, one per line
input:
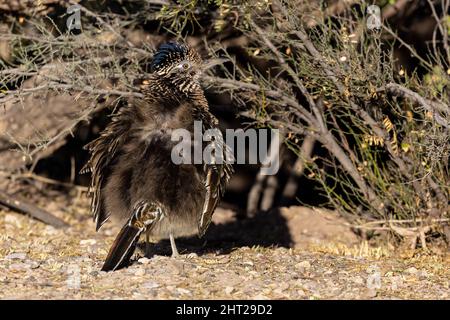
<point x="33" y="176"/>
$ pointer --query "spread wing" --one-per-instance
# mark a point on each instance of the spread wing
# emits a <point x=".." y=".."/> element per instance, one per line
<point x="217" y="173"/>
<point x="103" y="152"/>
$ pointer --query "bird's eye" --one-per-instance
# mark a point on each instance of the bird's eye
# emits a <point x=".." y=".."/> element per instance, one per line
<point x="185" y="66"/>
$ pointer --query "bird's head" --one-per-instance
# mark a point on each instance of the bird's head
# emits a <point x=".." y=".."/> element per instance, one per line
<point x="179" y="64"/>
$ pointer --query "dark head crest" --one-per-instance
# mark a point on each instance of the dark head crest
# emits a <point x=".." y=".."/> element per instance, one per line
<point x="168" y="54"/>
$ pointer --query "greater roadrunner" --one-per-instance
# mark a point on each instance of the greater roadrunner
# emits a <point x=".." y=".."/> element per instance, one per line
<point x="133" y="176"/>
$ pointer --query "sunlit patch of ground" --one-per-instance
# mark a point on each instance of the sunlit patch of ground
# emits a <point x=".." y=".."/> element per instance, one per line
<point x="38" y="261"/>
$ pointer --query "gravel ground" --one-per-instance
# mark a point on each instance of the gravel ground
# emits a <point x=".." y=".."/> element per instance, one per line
<point x="238" y="260"/>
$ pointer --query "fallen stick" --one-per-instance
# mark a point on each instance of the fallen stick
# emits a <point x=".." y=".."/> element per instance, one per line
<point x="26" y="207"/>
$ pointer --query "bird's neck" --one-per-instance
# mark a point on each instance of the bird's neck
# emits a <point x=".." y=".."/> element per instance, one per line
<point x="164" y="92"/>
<point x="185" y="86"/>
<point x="188" y="89"/>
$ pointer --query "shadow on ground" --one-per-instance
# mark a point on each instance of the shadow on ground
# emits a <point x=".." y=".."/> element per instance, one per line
<point x="266" y="229"/>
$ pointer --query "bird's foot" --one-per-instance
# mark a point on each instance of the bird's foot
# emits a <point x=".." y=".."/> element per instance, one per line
<point x="191" y="256"/>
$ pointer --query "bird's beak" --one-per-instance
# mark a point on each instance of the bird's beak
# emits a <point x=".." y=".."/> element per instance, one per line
<point x="212" y="63"/>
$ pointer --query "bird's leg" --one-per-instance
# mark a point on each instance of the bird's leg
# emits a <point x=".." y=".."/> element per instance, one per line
<point x="175" y="253"/>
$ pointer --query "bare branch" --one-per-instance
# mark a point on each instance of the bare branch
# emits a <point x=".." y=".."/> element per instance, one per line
<point x="26" y="207"/>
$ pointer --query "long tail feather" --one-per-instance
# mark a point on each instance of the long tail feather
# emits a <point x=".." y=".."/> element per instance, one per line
<point x="122" y="248"/>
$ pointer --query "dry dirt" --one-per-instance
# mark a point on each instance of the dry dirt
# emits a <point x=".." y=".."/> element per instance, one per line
<point x="294" y="253"/>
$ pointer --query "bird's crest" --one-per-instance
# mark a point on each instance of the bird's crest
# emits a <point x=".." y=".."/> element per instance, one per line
<point x="168" y="54"/>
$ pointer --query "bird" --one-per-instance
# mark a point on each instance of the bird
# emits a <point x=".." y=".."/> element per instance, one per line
<point x="134" y="180"/>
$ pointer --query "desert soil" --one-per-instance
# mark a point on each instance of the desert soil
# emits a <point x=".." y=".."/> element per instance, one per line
<point x="291" y="253"/>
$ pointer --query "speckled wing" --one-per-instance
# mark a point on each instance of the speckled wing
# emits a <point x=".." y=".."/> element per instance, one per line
<point x="103" y="151"/>
<point x="216" y="177"/>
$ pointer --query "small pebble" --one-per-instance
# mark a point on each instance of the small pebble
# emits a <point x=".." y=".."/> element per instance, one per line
<point x="94" y="273"/>
<point x="301" y="293"/>
<point x="88" y="242"/>
<point x="18" y="266"/>
<point x="279" y="291"/>
<point x="370" y="293"/>
<point x="33" y="264"/>
<point x="50" y="230"/>
<point x="16" y="256"/>
<point x="144" y="260"/>
<point x="411" y="270"/>
<point x="423" y="274"/>
<point x="109" y="232"/>
<point x="358" y="280"/>
<point x="229" y="290"/>
<point x="140" y="272"/>
<point x="305" y="265"/>
<point x="183" y="291"/>
<point x="12" y="220"/>
<point x="151" y="285"/>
